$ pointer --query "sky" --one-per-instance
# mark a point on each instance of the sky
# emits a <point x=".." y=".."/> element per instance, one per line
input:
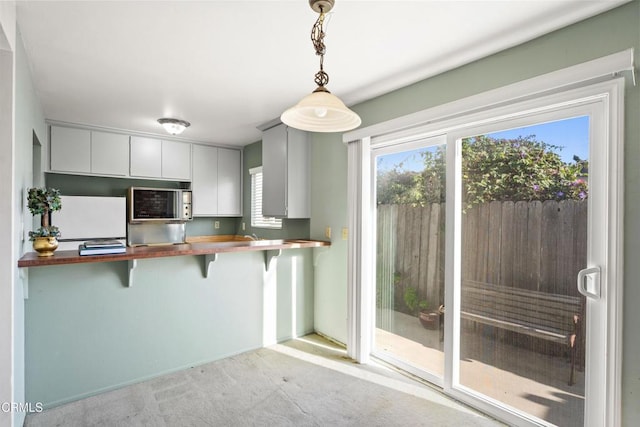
<point x="570" y="134"/>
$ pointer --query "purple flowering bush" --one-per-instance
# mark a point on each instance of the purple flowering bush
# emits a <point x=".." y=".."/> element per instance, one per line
<point x="519" y="169"/>
<point x="492" y="170"/>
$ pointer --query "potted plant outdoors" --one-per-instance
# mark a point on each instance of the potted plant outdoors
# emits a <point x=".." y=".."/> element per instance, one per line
<point x="43" y="201"/>
<point x="430" y="319"/>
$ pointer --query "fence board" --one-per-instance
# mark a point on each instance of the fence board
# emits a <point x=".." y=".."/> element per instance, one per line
<point x="400" y="244"/>
<point x="434" y="297"/>
<point x="580" y="241"/>
<point x="521" y="245"/>
<point x="564" y="259"/>
<point x="507" y="244"/>
<point x="414" y="239"/>
<point x="549" y="246"/>
<point x="441" y="250"/>
<point x="482" y="245"/>
<point x="534" y="232"/>
<point x="469" y="243"/>
<point x="424" y="249"/>
<point x="494" y="241"/>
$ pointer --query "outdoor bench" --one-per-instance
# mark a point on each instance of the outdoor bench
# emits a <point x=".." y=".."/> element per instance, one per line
<point x="551" y="317"/>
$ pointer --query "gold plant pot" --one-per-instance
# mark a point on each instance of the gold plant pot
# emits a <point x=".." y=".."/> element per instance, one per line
<point x="45" y="245"/>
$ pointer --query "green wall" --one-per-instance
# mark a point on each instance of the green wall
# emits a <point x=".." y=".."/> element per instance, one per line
<point x="87" y="332"/>
<point x="608" y="33"/>
<point x="329" y="209"/>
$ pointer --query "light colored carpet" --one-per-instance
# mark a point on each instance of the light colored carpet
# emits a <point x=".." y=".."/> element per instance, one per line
<point x="304" y="382"/>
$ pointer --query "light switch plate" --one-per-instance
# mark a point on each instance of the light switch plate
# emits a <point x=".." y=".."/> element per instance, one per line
<point x="216" y="224"/>
<point x="327" y="232"/>
<point x="345" y="233"/>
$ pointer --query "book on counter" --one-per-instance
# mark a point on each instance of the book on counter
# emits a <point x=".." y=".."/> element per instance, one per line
<point x="102" y="247"/>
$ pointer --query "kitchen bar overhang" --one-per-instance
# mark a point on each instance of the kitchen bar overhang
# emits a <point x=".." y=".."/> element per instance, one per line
<point x="206" y="246"/>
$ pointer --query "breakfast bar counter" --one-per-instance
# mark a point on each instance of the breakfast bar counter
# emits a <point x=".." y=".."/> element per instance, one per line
<point x="203" y="245"/>
<point x="159" y="309"/>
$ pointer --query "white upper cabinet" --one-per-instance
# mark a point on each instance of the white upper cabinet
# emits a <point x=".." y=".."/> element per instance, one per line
<point x="153" y="158"/>
<point x="109" y="154"/>
<point x="89" y="152"/>
<point x="176" y="160"/>
<point x="229" y="182"/>
<point x="70" y="150"/>
<point x="205" y="180"/>
<point x="217" y="181"/>
<point x="103" y="153"/>
<point x="146" y="157"/>
<point x="274" y="172"/>
<point x="285" y="168"/>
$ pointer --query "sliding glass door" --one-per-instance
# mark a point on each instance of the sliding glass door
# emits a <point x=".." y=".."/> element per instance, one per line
<point x="523" y="241"/>
<point x="490" y="242"/>
<point x="410" y="230"/>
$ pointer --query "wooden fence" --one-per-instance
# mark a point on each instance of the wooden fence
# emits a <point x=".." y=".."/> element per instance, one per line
<point x="528" y="245"/>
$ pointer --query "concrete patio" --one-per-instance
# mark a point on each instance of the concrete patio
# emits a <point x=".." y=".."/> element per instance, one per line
<point x="531" y="382"/>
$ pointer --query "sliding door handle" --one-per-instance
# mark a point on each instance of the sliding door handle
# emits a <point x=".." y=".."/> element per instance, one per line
<point x="589" y="282"/>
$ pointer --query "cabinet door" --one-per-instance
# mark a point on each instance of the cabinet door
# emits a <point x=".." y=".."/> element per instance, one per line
<point x="298" y="180"/>
<point x="229" y="182"/>
<point x="205" y="180"/>
<point x="176" y="160"/>
<point x="109" y="154"/>
<point x="70" y="150"/>
<point x="274" y="172"/>
<point x="146" y="157"/>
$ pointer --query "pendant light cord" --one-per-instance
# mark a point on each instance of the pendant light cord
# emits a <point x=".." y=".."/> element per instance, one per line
<point x="317" y="38"/>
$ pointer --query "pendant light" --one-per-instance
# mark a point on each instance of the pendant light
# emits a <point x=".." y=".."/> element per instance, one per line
<point x="174" y="126"/>
<point x="320" y="111"/>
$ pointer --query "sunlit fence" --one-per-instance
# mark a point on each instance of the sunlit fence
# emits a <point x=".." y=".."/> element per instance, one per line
<point x="533" y="245"/>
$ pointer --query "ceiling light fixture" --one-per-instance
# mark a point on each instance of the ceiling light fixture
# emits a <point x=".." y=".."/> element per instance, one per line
<point x="174" y="126"/>
<point x="320" y="111"/>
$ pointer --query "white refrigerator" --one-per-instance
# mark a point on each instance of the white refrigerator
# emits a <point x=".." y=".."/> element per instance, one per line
<point x="85" y="218"/>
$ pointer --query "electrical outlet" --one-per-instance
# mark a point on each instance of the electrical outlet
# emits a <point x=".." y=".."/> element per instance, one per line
<point x="216" y="224"/>
<point x="345" y="233"/>
<point x="327" y="232"/>
<point x="243" y="226"/>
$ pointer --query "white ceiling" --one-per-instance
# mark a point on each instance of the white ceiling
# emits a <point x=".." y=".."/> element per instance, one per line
<point x="229" y="66"/>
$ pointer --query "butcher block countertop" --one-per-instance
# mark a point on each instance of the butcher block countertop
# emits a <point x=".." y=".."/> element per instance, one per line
<point x="199" y="245"/>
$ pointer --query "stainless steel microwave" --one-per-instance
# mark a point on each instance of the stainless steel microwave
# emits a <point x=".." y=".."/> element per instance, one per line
<point x="158" y="204"/>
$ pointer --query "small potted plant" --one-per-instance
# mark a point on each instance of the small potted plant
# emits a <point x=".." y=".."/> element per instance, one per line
<point x="43" y="201"/>
<point x="429" y="318"/>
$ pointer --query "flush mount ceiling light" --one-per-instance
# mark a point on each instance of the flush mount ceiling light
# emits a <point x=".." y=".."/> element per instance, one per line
<point x="320" y="111"/>
<point x="174" y="126"/>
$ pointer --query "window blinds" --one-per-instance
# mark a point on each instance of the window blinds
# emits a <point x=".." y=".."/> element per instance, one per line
<point x="257" y="220"/>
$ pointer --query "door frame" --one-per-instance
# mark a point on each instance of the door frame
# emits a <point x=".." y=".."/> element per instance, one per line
<point x="592" y="79"/>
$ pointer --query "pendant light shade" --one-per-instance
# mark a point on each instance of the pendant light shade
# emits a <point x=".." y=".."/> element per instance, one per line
<point x="321" y="111"/>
